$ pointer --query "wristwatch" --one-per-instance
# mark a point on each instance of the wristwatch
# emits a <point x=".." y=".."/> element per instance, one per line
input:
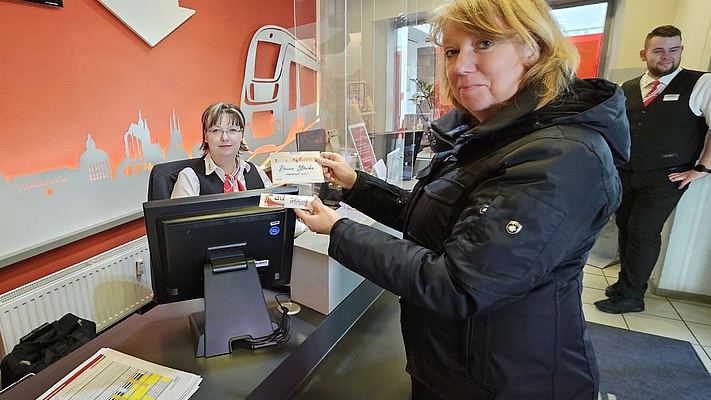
<point x="702" y="168"/>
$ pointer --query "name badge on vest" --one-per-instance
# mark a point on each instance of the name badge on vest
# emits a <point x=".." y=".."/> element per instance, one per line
<point x="671" y="97"/>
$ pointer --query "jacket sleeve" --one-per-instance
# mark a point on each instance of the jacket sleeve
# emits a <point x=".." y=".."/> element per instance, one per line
<point x="539" y="209"/>
<point x="379" y="200"/>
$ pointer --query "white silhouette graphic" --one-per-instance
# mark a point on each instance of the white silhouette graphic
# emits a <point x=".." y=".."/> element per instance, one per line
<point x="280" y="91"/>
<point x="151" y="20"/>
<point x="48" y="206"/>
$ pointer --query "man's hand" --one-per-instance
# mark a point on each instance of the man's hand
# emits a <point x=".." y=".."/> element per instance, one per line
<point x="686" y="177"/>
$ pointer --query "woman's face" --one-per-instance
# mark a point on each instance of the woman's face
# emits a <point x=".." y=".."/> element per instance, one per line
<point x="224" y="138"/>
<point x="483" y="73"/>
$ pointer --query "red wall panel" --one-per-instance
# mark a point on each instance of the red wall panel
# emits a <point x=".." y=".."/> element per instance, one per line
<point x="589" y="47"/>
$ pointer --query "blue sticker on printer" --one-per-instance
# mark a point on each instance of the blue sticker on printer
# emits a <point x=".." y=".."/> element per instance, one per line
<point x="274" y="230"/>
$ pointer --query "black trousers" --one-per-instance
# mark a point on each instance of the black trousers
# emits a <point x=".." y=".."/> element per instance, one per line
<point x="648" y="198"/>
<point x="420" y="392"/>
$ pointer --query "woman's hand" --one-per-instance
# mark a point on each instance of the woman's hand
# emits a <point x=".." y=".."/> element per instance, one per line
<point x="322" y="218"/>
<point x="337" y="170"/>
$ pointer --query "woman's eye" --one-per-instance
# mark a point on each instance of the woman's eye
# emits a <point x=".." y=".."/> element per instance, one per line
<point x="484" y="44"/>
<point x="450" y="53"/>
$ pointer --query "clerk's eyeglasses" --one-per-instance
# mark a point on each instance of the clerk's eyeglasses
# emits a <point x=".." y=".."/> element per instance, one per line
<point x="232" y="131"/>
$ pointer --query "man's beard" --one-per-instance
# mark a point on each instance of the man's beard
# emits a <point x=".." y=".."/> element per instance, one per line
<point x="659" y="72"/>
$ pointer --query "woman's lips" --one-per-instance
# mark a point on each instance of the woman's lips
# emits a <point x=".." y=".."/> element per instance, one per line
<point x="469" y="87"/>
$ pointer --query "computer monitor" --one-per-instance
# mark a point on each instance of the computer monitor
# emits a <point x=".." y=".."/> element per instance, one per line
<point x="311" y="140"/>
<point x="181" y="232"/>
<point x="225" y="248"/>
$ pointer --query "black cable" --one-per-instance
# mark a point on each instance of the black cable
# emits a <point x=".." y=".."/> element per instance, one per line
<point x="282" y="332"/>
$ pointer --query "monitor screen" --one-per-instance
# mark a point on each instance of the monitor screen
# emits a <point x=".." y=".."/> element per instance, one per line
<point x="313" y="140"/>
<point x="183" y="232"/>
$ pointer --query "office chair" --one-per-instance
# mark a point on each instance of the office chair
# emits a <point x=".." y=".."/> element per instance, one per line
<point x="163" y="177"/>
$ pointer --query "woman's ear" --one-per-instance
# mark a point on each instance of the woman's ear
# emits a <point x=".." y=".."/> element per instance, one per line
<point x="530" y="54"/>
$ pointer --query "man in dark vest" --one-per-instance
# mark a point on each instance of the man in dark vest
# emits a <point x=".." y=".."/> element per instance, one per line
<point x="669" y="110"/>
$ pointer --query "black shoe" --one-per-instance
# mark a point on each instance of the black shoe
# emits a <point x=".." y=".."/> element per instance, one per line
<point x="618" y="305"/>
<point x="612" y="290"/>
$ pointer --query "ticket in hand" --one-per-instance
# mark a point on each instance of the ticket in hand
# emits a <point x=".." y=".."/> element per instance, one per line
<point x="267" y="200"/>
<point x="296" y="167"/>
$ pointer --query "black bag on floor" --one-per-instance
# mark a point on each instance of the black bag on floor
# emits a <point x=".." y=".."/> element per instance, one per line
<point x="45" y="345"/>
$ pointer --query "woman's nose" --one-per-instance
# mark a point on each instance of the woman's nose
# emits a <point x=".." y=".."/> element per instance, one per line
<point x="465" y="64"/>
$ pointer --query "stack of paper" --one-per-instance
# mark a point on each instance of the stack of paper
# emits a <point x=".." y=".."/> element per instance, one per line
<point x="110" y="374"/>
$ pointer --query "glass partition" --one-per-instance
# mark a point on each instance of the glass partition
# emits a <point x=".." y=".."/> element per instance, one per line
<point x="378" y="68"/>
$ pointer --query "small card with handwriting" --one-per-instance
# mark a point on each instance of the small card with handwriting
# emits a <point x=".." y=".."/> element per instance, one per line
<point x="273" y="200"/>
<point x="296" y="167"/>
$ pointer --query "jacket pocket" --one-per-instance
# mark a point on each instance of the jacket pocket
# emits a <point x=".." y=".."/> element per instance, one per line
<point x="433" y="213"/>
<point x="445" y="190"/>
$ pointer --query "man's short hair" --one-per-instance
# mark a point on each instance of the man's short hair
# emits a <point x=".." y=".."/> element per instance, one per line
<point x="662" y="31"/>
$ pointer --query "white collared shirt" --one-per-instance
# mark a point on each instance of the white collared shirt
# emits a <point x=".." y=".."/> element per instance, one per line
<point x="700" y="100"/>
<point x="188" y="183"/>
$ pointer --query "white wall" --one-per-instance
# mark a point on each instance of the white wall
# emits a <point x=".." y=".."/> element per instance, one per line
<point x="635" y="18"/>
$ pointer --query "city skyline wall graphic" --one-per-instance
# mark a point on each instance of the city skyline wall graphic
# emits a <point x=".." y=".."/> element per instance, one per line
<point x="65" y="199"/>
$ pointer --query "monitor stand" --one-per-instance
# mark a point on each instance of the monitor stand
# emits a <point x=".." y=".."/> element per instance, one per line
<point x="235" y="308"/>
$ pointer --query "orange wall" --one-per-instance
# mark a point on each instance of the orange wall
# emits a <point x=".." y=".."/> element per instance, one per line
<point x="589" y="47"/>
<point x="77" y="70"/>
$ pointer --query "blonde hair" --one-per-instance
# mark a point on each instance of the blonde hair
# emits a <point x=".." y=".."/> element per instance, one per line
<point x="531" y="21"/>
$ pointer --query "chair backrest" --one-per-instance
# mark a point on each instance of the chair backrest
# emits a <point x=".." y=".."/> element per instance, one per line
<point x="163" y="177"/>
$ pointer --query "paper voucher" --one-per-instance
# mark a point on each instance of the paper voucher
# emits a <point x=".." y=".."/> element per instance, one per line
<point x="296" y="167"/>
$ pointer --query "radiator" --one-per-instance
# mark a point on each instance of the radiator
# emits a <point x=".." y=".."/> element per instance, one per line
<point x="104" y="289"/>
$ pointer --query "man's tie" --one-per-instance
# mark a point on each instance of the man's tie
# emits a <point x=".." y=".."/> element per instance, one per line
<point x="652" y="93"/>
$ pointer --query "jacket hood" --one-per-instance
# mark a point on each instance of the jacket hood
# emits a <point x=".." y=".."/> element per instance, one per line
<point x="596" y="104"/>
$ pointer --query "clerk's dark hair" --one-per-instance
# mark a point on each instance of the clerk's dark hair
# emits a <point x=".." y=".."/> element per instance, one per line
<point x="211" y="117"/>
<point x="667" y="31"/>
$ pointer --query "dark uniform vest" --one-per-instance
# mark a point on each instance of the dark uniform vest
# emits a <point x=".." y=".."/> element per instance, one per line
<point x="665" y="133"/>
<point x="211" y="184"/>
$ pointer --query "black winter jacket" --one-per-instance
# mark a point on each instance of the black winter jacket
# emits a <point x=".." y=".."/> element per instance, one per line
<point x="496" y="234"/>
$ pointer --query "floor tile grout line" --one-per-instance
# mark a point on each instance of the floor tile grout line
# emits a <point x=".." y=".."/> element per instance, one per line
<point x="675" y="310"/>
<point x="626" y="323"/>
<point x="687" y="326"/>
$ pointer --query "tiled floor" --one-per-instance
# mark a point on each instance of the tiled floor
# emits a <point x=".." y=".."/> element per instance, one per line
<point x="662" y="316"/>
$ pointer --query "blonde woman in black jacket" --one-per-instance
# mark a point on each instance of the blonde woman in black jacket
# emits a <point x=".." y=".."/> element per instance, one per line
<point x="498" y="228"/>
